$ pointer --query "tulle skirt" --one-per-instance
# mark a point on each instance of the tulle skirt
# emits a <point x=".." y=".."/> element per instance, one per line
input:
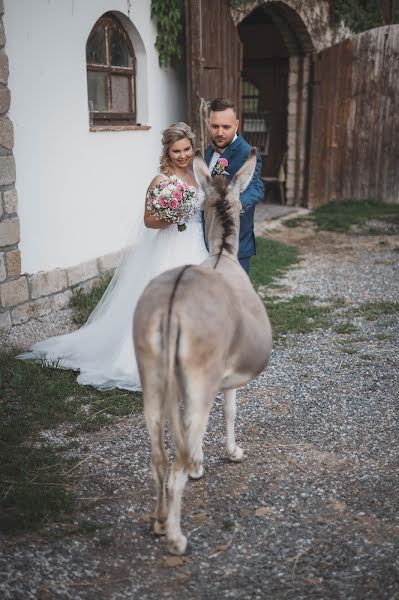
<point x="102" y="350"/>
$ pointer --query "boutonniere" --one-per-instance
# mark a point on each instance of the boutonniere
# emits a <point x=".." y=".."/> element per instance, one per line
<point x="220" y="167"/>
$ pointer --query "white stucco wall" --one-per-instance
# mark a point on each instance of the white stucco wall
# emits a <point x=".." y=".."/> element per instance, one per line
<point x="79" y="192"/>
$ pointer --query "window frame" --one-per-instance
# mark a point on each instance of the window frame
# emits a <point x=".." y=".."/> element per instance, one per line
<point x="109" y="22"/>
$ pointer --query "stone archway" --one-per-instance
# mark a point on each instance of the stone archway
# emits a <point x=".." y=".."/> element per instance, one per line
<point x="279" y="39"/>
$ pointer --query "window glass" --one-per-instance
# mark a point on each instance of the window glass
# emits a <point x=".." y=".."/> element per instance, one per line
<point x="250" y="97"/>
<point x="97" y="88"/>
<point x="118" y="51"/>
<point x="120" y="93"/>
<point x="95" y="47"/>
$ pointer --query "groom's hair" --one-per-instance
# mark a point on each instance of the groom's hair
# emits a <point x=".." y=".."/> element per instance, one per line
<point x="220" y="104"/>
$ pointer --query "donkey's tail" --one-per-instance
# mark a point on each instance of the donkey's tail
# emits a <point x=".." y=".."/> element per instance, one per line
<point x="173" y="382"/>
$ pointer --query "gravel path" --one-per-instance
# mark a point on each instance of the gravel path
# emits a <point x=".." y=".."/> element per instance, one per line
<point x="312" y="511"/>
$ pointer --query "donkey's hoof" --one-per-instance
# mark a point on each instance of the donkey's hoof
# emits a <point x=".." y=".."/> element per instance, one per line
<point x="196" y="473"/>
<point x="177" y="546"/>
<point x="159" y="528"/>
<point x="236" y="455"/>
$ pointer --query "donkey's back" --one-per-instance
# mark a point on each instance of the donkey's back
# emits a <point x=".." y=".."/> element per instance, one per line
<point x="210" y="326"/>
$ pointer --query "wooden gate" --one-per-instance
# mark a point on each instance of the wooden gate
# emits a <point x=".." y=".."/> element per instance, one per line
<point x="354" y="148"/>
<point x="214" y="60"/>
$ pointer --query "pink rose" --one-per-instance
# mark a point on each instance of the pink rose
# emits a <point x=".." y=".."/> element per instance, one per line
<point x="162" y="202"/>
<point x="173" y="204"/>
<point x="223" y="161"/>
<point x="177" y="195"/>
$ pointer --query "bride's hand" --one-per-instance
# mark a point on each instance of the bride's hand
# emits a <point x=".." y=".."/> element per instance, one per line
<point x="150" y="219"/>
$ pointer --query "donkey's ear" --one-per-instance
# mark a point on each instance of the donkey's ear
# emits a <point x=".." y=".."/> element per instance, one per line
<point x="201" y="172"/>
<point x="242" y="178"/>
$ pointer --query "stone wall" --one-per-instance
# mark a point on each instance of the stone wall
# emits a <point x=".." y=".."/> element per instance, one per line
<point x="310" y="20"/>
<point x="23" y="296"/>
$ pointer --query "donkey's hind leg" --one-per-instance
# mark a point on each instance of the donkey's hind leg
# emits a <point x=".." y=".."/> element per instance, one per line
<point x="196" y="420"/>
<point x="159" y="460"/>
<point x="188" y="461"/>
<point x="176" y="541"/>
<point x="234" y="452"/>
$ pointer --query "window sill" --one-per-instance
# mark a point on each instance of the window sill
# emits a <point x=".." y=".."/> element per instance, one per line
<point x="120" y="127"/>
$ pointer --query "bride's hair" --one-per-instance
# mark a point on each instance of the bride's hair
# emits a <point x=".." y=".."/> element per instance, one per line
<point x="174" y="133"/>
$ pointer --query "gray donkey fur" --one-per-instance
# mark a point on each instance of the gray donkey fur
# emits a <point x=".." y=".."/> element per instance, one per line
<point x="198" y="330"/>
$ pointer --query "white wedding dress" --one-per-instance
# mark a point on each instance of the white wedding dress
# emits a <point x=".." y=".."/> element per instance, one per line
<point x="102" y="350"/>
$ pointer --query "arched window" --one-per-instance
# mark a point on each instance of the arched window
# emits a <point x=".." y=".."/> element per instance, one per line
<point x="111" y="80"/>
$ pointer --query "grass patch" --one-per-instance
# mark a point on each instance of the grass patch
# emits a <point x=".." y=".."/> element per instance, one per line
<point x="83" y="303"/>
<point x="34" y="479"/>
<point x="345" y="328"/>
<point x="271" y="261"/>
<point x="371" y="311"/>
<point x="296" y="315"/>
<point x="340" y="216"/>
<point x="299" y="221"/>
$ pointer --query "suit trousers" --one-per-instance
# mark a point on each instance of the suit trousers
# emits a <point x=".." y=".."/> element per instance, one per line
<point x="244" y="262"/>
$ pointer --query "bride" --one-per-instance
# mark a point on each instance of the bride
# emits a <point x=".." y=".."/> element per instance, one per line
<point x="102" y="350"/>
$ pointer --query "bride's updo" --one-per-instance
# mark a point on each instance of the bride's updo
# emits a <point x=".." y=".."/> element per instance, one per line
<point x="174" y="133"/>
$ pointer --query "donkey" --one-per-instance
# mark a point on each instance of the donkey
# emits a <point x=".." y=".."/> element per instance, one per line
<point x="198" y="330"/>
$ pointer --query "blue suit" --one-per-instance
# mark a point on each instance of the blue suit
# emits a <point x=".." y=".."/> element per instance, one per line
<point x="237" y="154"/>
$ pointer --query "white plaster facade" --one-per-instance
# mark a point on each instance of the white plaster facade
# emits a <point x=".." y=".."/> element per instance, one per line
<point x="79" y="191"/>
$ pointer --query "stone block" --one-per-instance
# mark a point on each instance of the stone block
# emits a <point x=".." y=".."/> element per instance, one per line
<point x="14" y="292"/>
<point x="3" y="273"/>
<point x="2" y="35"/>
<point x="1" y="7"/>
<point x="61" y="300"/>
<point x="13" y="260"/>
<point x="6" y="133"/>
<point x="109" y="262"/>
<point x="10" y="201"/>
<point x="291" y="138"/>
<point x="9" y="232"/>
<point x="46" y="283"/>
<point x="292" y="122"/>
<point x="7" y="170"/>
<point x="30" y="310"/>
<point x="82" y="272"/>
<point x="4" y="71"/>
<point x="294" y="63"/>
<point x="292" y="78"/>
<point x="5" y="322"/>
<point x="5" y="98"/>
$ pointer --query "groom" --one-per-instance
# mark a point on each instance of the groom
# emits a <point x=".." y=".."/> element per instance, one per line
<point x="228" y="153"/>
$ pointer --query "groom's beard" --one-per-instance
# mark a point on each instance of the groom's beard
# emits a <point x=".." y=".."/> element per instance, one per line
<point x="217" y="148"/>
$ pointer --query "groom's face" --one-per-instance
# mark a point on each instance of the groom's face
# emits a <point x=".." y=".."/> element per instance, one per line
<point x="222" y="125"/>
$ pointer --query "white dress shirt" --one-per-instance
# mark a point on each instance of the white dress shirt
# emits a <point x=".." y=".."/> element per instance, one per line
<point x="217" y="155"/>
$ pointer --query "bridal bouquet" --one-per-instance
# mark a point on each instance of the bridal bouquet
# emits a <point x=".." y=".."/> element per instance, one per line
<point x="173" y="200"/>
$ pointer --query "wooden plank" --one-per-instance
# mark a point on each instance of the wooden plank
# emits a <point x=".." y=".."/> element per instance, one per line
<point x="354" y="150"/>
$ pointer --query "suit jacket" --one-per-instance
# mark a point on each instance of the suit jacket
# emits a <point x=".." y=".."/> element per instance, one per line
<point x="237" y="154"/>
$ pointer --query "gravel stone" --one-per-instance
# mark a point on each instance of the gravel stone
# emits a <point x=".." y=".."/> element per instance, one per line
<point x="311" y="513"/>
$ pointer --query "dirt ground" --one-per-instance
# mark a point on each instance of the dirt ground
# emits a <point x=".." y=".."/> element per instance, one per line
<point x="312" y="511"/>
